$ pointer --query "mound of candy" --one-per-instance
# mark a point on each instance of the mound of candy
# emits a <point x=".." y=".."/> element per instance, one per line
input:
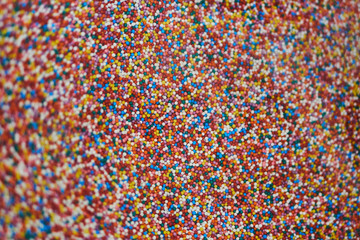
<point x="179" y="119"/>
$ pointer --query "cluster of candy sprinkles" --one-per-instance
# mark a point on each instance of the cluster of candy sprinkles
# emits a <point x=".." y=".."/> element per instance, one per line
<point x="180" y="119"/>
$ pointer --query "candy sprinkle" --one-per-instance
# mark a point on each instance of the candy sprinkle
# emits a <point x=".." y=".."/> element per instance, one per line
<point x="180" y="119"/>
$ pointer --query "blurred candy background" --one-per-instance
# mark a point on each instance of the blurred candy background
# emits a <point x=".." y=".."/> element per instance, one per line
<point x="179" y="119"/>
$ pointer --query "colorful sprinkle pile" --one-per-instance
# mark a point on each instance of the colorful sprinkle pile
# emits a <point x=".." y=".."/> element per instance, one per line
<point x="180" y="119"/>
